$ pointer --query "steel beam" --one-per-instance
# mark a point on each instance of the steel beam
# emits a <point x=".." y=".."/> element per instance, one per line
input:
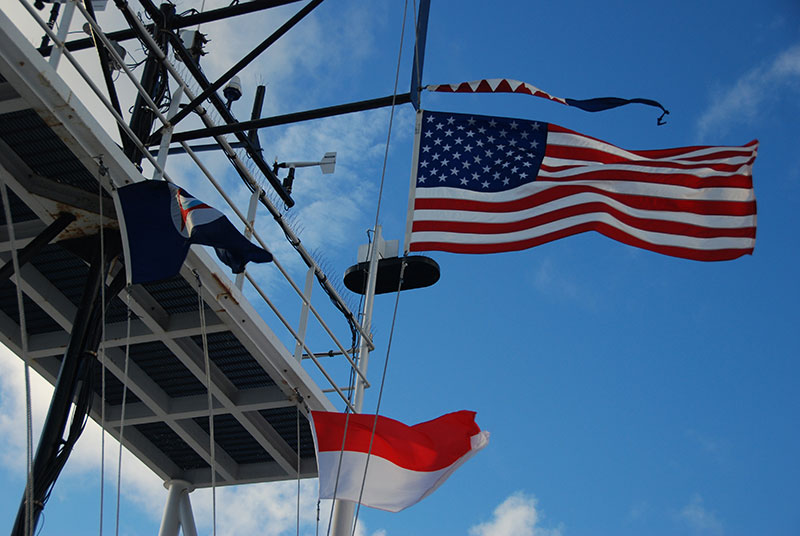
<point x="296" y="117"/>
<point x="35" y="245"/>
<point x="177" y="23"/>
<point x="246" y="60"/>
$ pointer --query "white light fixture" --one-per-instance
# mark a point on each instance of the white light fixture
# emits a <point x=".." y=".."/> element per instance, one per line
<point x="327" y="165"/>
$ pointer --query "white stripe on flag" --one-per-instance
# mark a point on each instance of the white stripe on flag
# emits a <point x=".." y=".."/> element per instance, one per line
<point x="388" y="486"/>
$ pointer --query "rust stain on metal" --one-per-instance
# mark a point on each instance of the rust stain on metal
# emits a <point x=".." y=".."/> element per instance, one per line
<point x="227" y="292"/>
<point x="85" y="224"/>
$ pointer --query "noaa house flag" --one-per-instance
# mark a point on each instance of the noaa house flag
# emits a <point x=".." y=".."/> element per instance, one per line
<point x="406" y="463"/>
<point x="491" y="184"/>
<point x="159" y="222"/>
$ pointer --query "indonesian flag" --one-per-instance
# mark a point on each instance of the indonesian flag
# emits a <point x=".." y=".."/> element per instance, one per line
<point x="406" y="463"/>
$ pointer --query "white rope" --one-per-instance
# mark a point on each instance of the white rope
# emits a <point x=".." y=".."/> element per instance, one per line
<point x="402" y="270"/>
<point x="377" y="217"/>
<point x="380" y="393"/>
<point x="391" y="114"/>
<point x="210" y="406"/>
<point x="101" y="352"/>
<point x="23" y="332"/>
<point x="122" y="411"/>
<point x="298" y="470"/>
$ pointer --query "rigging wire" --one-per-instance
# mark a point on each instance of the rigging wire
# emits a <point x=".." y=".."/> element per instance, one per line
<point x="391" y="116"/>
<point x="396" y="306"/>
<point x="24" y="341"/>
<point x="201" y="306"/>
<point x="372" y="250"/>
<point x="298" y="466"/>
<point x="418" y="69"/>
<point x="101" y="350"/>
<point x="124" y="400"/>
<point x="380" y="393"/>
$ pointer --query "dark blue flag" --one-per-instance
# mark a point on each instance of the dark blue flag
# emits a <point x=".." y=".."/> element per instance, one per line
<point x="159" y="222"/>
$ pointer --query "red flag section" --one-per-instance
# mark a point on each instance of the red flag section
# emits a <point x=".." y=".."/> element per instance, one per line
<point x="406" y="463"/>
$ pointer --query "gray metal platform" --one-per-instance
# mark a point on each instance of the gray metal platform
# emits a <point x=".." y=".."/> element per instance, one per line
<point x="50" y="148"/>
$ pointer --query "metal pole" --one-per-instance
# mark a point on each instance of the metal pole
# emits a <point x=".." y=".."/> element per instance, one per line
<point x="251" y="222"/>
<point x="170" y="520"/>
<point x="163" y="151"/>
<point x="320" y="113"/>
<point x="301" y="329"/>
<point x="44" y="238"/>
<point x="186" y="517"/>
<point x="63" y="28"/>
<point x="241" y="64"/>
<point x="154" y="81"/>
<point x="344" y="511"/>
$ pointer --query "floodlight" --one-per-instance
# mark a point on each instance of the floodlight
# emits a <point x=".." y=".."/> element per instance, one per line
<point x="327" y="165"/>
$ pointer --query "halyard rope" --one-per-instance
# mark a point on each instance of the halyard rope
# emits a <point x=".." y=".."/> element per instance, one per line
<point x="23" y="332"/>
<point x="101" y="350"/>
<point x="374" y="252"/>
<point x="124" y="400"/>
<point x="212" y="449"/>
<point x="380" y="392"/>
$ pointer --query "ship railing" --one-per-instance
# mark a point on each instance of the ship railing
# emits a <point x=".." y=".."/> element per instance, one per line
<point x="249" y="173"/>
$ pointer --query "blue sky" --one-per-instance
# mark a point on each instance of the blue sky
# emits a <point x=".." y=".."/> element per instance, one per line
<point x="626" y="392"/>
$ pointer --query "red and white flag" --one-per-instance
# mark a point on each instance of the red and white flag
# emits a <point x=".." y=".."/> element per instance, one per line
<point x="406" y="463"/>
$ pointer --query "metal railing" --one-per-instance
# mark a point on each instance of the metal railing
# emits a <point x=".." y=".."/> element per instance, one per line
<point x="247" y="172"/>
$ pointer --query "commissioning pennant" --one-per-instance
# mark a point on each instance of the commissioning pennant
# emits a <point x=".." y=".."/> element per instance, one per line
<point x="492" y="184"/>
<point x="406" y="463"/>
<point x="507" y="85"/>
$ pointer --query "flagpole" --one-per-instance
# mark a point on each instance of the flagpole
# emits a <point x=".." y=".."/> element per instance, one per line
<point x="413" y="187"/>
<point x="344" y="511"/>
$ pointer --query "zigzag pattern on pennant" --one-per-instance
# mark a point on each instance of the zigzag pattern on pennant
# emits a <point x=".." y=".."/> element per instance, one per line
<point x="495" y="85"/>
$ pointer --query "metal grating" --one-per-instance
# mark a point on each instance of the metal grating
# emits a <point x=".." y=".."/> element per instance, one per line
<point x="170" y="443"/>
<point x="19" y="210"/>
<point x="234" y="361"/>
<point x="231" y="436"/>
<point x="284" y="421"/>
<point x="32" y="140"/>
<point x="161" y="366"/>
<point x="36" y="320"/>
<point x="114" y="388"/>
<point x="174" y="295"/>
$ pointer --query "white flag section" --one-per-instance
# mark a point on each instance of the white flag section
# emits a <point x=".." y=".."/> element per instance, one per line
<point x="406" y="463"/>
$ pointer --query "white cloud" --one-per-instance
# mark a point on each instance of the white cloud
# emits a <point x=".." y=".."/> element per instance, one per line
<point x="557" y="282"/>
<point x="745" y="100"/>
<point x="518" y="515"/>
<point x="139" y="484"/>
<point x="700" y="520"/>
<point x="269" y="509"/>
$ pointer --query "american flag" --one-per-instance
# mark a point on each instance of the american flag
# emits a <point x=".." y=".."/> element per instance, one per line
<point x="493" y="184"/>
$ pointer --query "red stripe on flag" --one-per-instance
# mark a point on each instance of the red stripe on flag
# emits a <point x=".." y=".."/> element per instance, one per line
<point x="428" y="446"/>
<point x="645" y="224"/>
<point x="594" y="155"/>
<point x="600" y="227"/>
